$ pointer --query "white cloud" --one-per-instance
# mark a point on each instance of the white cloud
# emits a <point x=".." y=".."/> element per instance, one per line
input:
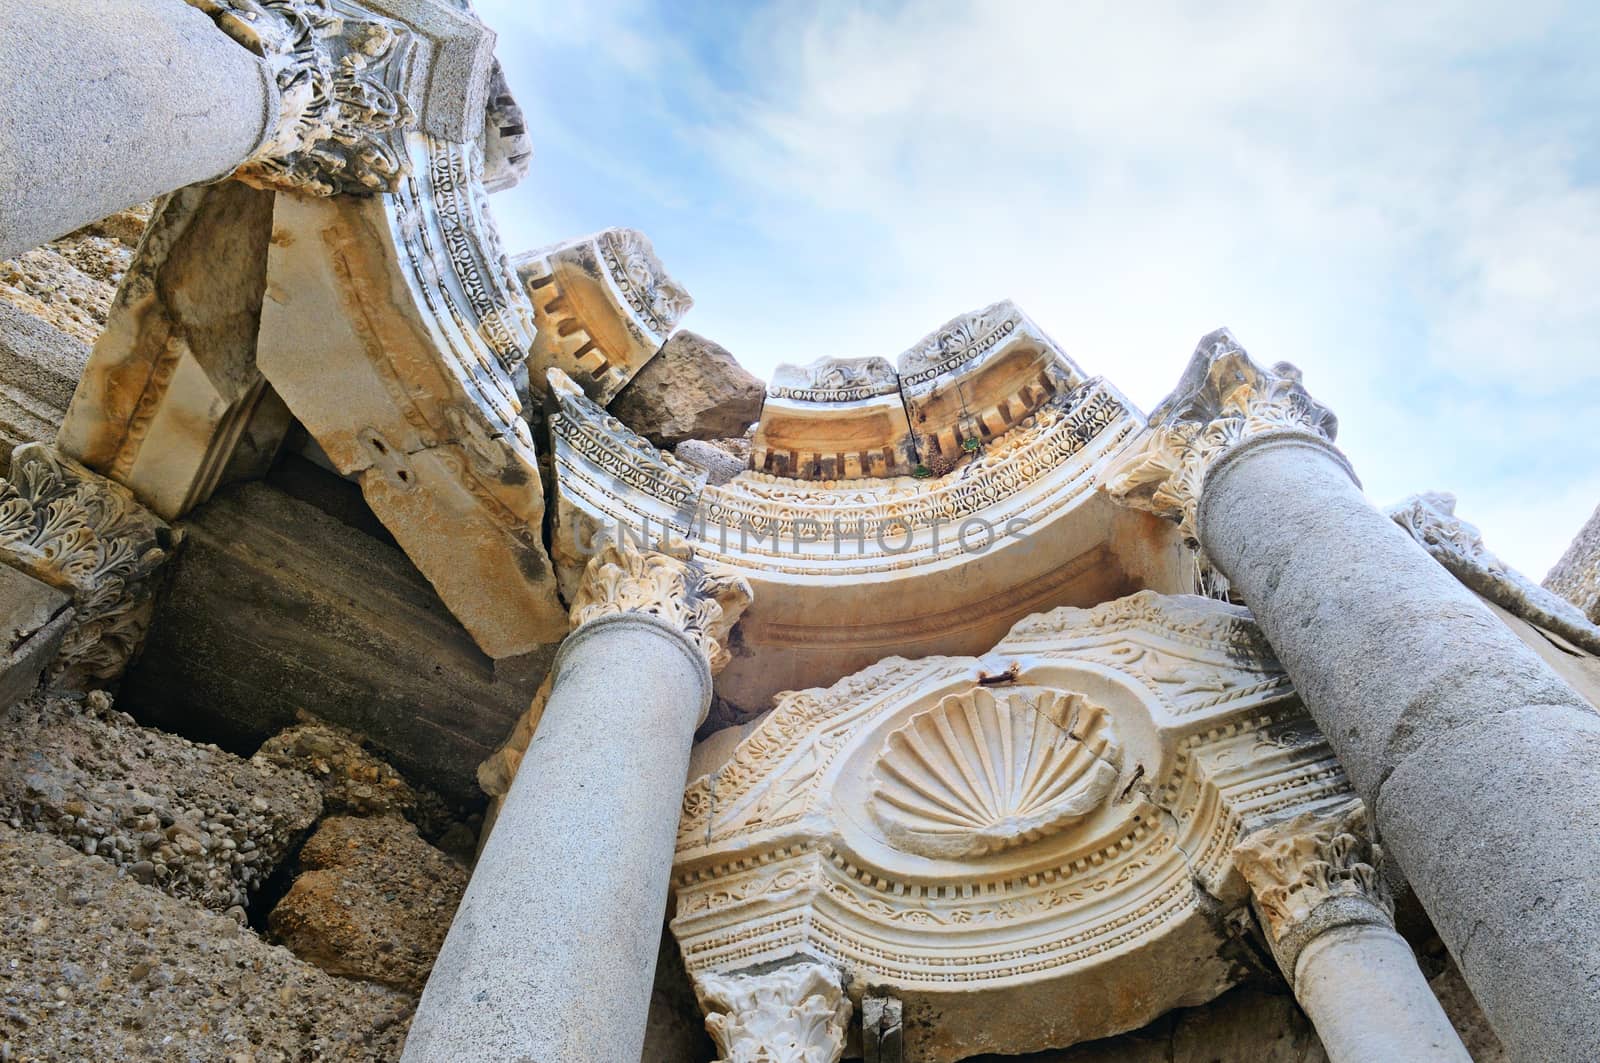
<point x="1395" y="197"/>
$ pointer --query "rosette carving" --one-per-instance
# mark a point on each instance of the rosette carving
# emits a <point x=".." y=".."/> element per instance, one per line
<point x="984" y="771"/>
<point x="665" y="583"/>
<point x="1224" y="399"/>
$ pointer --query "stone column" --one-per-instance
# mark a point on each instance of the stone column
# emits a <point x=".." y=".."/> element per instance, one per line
<point x="103" y="105"/>
<point x="1330" y="923"/>
<point x="552" y="952"/>
<point x="798" y="1013"/>
<point x="1479" y="764"/>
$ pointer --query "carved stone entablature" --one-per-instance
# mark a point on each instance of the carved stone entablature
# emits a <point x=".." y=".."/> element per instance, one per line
<point x="666" y="583"/>
<point x="507" y="150"/>
<point x="976" y="377"/>
<point x="1431" y="520"/>
<point x="354" y="79"/>
<point x="1036" y="829"/>
<point x="798" y="1013"/>
<point x="604" y="305"/>
<point x="393" y="329"/>
<point x="845" y="572"/>
<point x="1223" y="400"/>
<point x="1316" y="870"/>
<point x="835" y="419"/>
<point x="73" y="529"/>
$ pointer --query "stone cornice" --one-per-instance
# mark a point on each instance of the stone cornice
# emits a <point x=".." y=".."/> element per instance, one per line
<point x="1224" y="399"/>
<point x="797" y="1013"/>
<point x="669" y="585"/>
<point x="353" y="81"/>
<point x="1313" y="872"/>
<point x="1430" y="518"/>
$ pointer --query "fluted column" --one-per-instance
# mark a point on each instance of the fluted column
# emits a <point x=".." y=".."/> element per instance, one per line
<point x="1330" y="923"/>
<point x="552" y="953"/>
<point x="1479" y="764"/>
<point x="797" y="1013"/>
<point x="105" y="103"/>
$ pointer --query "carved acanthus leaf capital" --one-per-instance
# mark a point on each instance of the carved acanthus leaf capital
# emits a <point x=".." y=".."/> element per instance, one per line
<point x="353" y="82"/>
<point x="666" y="583"/>
<point x="1297" y="866"/>
<point x="74" y="529"/>
<point x="795" y="1014"/>
<point x="1224" y="399"/>
<point x="1431" y="520"/>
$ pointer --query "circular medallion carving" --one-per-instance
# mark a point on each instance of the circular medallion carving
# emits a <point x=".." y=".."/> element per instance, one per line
<point x="990" y="769"/>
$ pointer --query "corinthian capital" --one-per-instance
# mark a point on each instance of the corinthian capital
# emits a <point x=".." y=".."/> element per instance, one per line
<point x="76" y="530"/>
<point x="353" y="80"/>
<point x="665" y="583"/>
<point x="797" y="1014"/>
<point x="1313" y="872"/>
<point x="1223" y="400"/>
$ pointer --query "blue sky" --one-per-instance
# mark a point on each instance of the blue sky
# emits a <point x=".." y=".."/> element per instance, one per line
<point x="1403" y="200"/>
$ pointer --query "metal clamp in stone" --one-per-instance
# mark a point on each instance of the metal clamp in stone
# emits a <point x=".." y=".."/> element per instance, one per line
<point x="353" y="80"/>
<point x="1224" y="404"/>
<point x="86" y="535"/>
<point x="1311" y="874"/>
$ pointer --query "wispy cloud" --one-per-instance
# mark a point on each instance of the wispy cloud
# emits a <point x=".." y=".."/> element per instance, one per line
<point x="1403" y="200"/>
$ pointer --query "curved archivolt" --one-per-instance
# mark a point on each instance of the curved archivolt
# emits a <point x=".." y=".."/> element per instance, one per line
<point x="984" y="771"/>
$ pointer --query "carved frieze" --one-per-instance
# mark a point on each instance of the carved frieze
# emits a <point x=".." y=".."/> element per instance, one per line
<point x="73" y="529"/>
<point x="1034" y="825"/>
<point x="603" y="305"/>
<point x="835" y="419"/>
<point x="394" y="331"/>
<point x="975" y="377"/>
<point x="354" y="79"/>
<point x="666" y="583"/>
<point x="1431" y="520"/>
<point x="797" y="1013"/>
<point x="1223" y="399"/>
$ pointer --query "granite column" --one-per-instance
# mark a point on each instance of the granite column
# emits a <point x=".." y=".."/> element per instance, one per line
<point x="551" y="955"/>
<point x="1479" y="763"/>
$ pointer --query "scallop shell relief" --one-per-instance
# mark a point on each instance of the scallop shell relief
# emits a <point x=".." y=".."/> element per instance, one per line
<point x="984" y="771"/>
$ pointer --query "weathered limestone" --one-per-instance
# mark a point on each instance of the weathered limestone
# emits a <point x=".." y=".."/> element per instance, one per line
<point x="1329" y="920"/>
<point x="171" y="404"/>
<point x="797" y="1013"/>
<point x="692" y="389"/>
<point x="394" y="330"/>
<point x="603" y="306"/>
<point x="835" y="419"/>
<point x="559" y="923"/>
<point x="34" y="618"/>
<point x="1478" y="763"/>
<point x="1576" y="576"/>
<point x="39" y="368"/>
<point x="274" y="607"/>
<point x="68" y="527"/>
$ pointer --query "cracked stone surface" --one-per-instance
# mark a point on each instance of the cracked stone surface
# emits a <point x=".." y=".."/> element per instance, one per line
<point x="692" y="389"/>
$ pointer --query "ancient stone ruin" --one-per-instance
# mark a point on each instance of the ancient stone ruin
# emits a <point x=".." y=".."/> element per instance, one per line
<point x="422" y="652"/>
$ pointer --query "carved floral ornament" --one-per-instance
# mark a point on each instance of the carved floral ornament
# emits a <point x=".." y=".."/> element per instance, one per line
<point x="73" y="529"/>
<point x="1223" y="400"/>
<point x="795" y="1014"/>
<point x="665" y="583"/>
<point x="957" y="829"/>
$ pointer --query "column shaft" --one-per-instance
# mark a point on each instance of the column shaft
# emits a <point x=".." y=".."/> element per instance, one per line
<point x="1362" y="989"/>
<point x="105" y="104"/>
<point x="1480" y="764"/>
<point x="552" y="953"/>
